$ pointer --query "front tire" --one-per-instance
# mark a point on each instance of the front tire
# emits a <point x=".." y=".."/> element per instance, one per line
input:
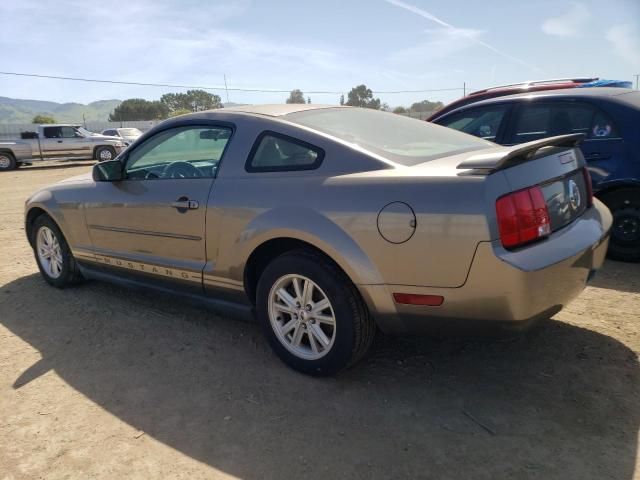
<point x="625" y="233"/>
<point x="7" y="162"/>
<point x="53" y="256"/>
<point x="104" y="154"/>
<point x="312" y="315"/>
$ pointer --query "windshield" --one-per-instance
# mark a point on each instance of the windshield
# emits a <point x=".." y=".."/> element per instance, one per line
<point x="129" y="132"/>
<point x="85" y="132"/>
<point x="403" y="140"/>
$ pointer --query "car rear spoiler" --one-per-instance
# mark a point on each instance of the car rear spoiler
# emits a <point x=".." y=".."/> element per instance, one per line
<point x="485" y="163"/>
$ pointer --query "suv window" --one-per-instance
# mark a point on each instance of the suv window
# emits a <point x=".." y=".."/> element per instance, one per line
<point x="52" y="132"/>
<point x="548" y="120"/>
<point x="482" y="122"/>
<point x="183" y="152"/>
<point x="273" y="152"/>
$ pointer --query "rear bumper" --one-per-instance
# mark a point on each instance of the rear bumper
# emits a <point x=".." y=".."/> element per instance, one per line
<point x="504" y="288"/>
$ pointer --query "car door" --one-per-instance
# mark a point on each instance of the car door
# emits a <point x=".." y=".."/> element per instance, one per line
<point x="151" y="224"/>
<point x="602" y="147"/>
<point x="52" y="144"/>
<point x="75" y="144"/>
<point x="487" y="121"/>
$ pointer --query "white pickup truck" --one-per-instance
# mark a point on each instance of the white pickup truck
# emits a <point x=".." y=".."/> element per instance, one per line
<point x="60" y="141"/>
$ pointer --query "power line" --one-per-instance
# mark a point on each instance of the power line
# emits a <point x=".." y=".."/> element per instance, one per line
<point x="221" y="88"/>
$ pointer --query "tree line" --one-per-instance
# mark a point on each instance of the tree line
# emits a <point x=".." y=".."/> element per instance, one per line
<point x="172" y="104"/>
<point x="169" y="105"/>
<point x="362" y="96"/>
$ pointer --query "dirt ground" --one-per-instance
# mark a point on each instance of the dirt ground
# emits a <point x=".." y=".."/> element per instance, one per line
<point x="100" y="382"/>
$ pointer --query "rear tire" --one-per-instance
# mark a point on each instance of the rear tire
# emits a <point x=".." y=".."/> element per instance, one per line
<point x="625" y="232"/>
<point x="7" y="162"/>
<point x="104" y="154"/>
<point x="346" y="329"/>
<point x="53" y="256"/>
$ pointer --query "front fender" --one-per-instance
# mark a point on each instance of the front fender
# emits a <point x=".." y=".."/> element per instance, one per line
<point x="309" y="226"/>
<point x="64" y="208"/>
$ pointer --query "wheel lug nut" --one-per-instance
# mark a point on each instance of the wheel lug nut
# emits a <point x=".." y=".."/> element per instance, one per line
<point x="308" y="308"/>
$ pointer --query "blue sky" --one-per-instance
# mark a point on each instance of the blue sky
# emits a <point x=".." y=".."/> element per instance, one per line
<point x="313" y="45"/>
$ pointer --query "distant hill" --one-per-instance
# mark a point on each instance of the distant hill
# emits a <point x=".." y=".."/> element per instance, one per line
<point x="13" y="110"/>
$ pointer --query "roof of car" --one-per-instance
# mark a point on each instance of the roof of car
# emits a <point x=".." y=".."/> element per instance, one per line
<point x="277" y="110"/>
<point x="565" y="92"/>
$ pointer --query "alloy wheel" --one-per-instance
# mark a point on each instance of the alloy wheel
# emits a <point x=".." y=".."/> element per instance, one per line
<point x="302" y="317"/>
<point x="49" y="252"/>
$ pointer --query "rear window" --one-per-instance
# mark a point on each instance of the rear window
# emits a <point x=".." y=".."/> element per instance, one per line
<point x="401" y="139"/>
<point x="274" y="152"/>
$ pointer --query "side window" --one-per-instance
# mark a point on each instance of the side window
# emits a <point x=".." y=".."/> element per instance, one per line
<point x="533" y="123"/>
<point x="273" y="152"/>
<point x="68" y="132"/>
<point x="183" y="152"/>
<point x="482" y="122"/>
<point x="52" y="132"/>
<point x="110" y="132"/>
<point x="602" y="127"/>
<point x="548" y="120"/>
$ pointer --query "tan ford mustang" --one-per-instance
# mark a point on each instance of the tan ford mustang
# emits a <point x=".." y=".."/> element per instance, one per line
<point x="331" y="222"/>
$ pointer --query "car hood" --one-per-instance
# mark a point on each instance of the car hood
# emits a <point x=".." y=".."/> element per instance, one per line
<point x="78" y="179"/>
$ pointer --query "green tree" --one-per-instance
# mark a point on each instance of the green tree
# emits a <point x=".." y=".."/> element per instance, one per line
<point x="400" y="110"/>
<point x="308" y="99"/>
<point x="192" y="100"/>
<point x="139" y="109"/>
<point x="361" y="96"/>
<point x="43" y="119"/>
<point x="342" y="99"/>
<point x="296" y="96"/>
<point x="426" y="106"/>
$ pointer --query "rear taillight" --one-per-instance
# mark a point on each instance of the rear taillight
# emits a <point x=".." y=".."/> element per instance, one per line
<point x="522" y="217"/>
<point x="587" y="182"/>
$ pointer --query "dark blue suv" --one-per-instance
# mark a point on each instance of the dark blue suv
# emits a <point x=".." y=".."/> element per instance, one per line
<point x="610" y="120"/>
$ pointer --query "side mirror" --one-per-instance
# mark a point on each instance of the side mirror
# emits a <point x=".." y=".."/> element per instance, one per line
<point x="109" y="171"/>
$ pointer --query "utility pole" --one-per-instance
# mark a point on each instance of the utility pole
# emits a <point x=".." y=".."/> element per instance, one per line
<point x="464" y="89"/>
<point x="637" y="75"/>
<point x="225" y="86"/>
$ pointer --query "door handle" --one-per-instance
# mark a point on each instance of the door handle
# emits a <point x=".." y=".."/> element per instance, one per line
<point x="184" y="204"/>
<point x="59" y="141"/>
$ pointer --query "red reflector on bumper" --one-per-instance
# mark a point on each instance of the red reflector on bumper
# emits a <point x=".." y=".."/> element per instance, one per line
<point x="415" y="299"/>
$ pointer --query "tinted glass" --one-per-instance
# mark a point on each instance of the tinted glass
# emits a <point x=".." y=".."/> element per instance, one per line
<point x="401" y="139"/>
<point x="533" y="123"/>
<point x="52" y="132"/>
<point x="482" y="122"/>
<point x="549" y="120"/>
<point x="198" y="149"/>
<point x="602" y="127"/>
<point x="277" y="153"/>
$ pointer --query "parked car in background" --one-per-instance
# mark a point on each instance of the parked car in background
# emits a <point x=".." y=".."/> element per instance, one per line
<point x="609" y="119"/>
<point x="60" y="141"/>
<point x="128" y="134"/>
<point x="527" y="87"/>
<point x="329" y="222"/>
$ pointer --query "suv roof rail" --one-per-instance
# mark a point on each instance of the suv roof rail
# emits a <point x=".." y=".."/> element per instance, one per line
<point x="538" y="82"/>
